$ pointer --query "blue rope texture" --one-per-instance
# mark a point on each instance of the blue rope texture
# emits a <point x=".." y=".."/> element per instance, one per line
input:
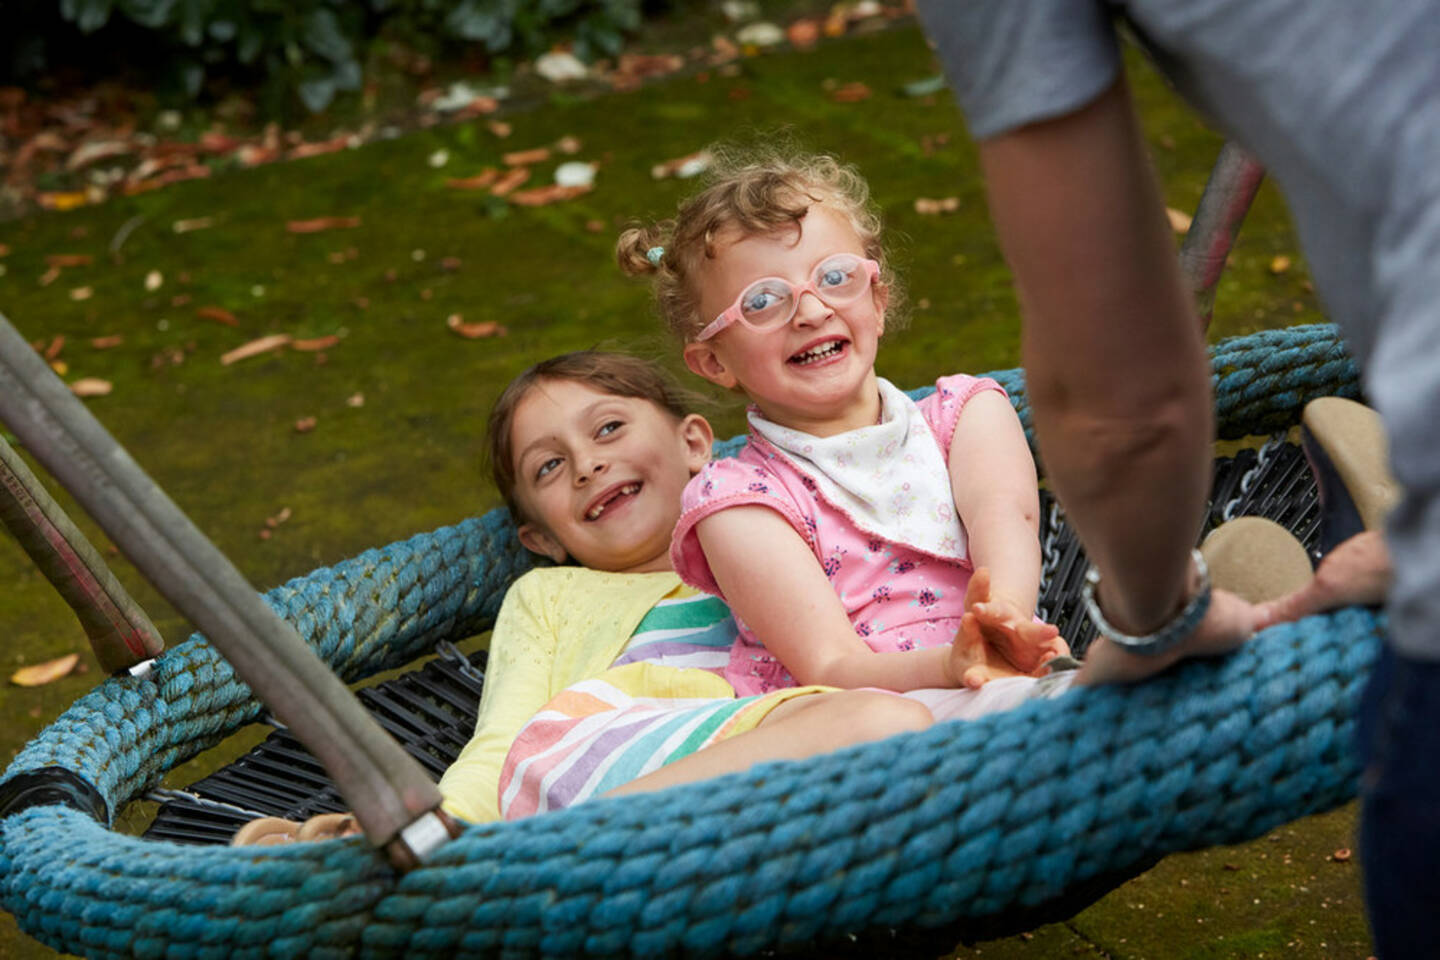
<point x="962" y="820"/>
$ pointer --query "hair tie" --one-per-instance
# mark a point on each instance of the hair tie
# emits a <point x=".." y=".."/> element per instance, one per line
<point x="655" y="255"/>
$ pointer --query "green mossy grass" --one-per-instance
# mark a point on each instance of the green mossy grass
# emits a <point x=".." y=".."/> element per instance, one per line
<point x="222" y="439"/>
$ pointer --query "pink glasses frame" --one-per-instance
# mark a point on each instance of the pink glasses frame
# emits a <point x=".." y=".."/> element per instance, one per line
<point x="733" y="313"/>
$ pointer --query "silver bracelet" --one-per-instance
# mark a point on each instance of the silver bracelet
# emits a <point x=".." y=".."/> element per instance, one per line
<point x="1168" y="635"/>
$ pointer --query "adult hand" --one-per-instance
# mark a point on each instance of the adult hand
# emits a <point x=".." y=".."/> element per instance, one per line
<point x="1357" y="571"/>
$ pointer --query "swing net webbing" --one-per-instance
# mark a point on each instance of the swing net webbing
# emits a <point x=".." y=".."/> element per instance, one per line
<point x="931" y="833"/>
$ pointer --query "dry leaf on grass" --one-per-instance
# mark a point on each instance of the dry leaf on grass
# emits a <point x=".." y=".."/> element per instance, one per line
<point x="690" y="165"/>
<point x="39" y="674"/>
<point x="568" y="145"/>
<point x="511" y="180"/>
<point x="927" y="205"/>
<point x="803" y="34"/>
<point x="523" y="158"/>
<point x="255" y="347"/>
<point x="540" y="196"/>
<point x="105" y="343"/>
<point x="1179" y="220"/>
<point x="218" y="314"/>
<point x="153" y="280"/>
<point x="57" y="343"/>
<point x="60" y="367"/>
<point x="1280" y="264"/>
<point x="304" y="424"/>
<point x="850" y="93"/>
<point x="319" y="224"/>
<point x="281" y="517"/>
<point x="315" y="343"/>
<point x="82" y="293"/>
<point x="355" y="400"/>
<point x="194" y="223"/>
<point x="480" y="181"/>
<point x="474" y="331"/>
<point x="69" y="260"/>
<point x="91" y="387"/>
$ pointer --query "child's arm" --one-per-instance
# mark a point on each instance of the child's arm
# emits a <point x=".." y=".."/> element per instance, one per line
<point x="771" y="579"/>
<point x="993" y="478"/>
<point x="517" y="685"/>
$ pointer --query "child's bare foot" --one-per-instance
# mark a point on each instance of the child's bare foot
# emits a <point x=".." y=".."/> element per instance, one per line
<point x="1355" y="572"/>
<point x="272" y="831"/>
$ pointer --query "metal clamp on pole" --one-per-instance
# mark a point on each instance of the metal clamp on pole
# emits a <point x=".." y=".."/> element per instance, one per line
<point x="387" y="789"/>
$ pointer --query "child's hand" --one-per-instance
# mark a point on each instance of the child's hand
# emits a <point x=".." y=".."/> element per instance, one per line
<point x="1012" y="633"/>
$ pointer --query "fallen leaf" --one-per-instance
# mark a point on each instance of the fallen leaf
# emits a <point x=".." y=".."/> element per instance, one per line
<point x="1280" y="264"/>
<point x="568" y="145"/>
<point x="218" y="314"/>
<point x="4" y="250"/>
<point x="177" y="175"/>
<point x="69" y="260"/>
<point x="355" y="400"/>
<point x="304" y="424"/>
<point x="450" y="264"/>
<point x="213" y="141"/>
<point x="542" y="196"/>
<point x="180" y="300"/>
<point x="837" y="21"/>
<point x="253" y="155"/>
<point x="761" y="33"/>
<point x="511" y="180"/>
<point x="91" y="387"/>
<point x="63" y="200"/>
<point x="803" y="34"/>
<point x="333" y="145"/>
<point x="49" y="276"/>
<point x="576" y="173"/>
<point x="255" y="347"/>
<point x="315" y="343"/>
<point x="82" y="293"/>
<point x="1179" y="219"/>
<point x="105" y="343"/>
<point x="929" y="86"/>
<point x="926" y="205"/>
<point x="852" y="92"/>
<point x="284" y="514"/>
<point x="1342" y="855"/>
<point x="57" y="343"/>
<point x="194" y="223"/>
<point x="559" y="66"/>
<point x="319" y="224"/>
<point x="595" y="226"/>
<point x="474" y="331"/>
<point x="500" y="128"/>
<point x="682" y="168"/>
<point x="96" y="150"/>
<point x="40" y="674"/>
<point x="153" y="280"/>
<point x="265" y="534"/>
<point x="480" y="181"/>
<point x="521" y="158"/>
<point x="60" y="367"/>
<point x="438" y="159"/>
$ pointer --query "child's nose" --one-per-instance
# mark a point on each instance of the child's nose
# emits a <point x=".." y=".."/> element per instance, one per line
<point x="589" y="470"/>
<point x="810" y="308"/>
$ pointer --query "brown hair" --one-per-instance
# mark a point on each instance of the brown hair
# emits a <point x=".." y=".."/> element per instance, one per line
<point x="755" y="193"/>
<point x="618" y="374"/>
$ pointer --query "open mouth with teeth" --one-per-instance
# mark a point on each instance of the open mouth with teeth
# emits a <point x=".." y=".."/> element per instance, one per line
<point x="613" y="498"/>
<point x="819" y="353"/>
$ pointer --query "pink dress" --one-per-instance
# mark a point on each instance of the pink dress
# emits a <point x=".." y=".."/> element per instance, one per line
<point x="897" y="597"/>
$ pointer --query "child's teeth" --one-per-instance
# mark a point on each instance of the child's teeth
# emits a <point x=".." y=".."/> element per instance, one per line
<point x="599" y="508"/>
<point x="820" y="352"/>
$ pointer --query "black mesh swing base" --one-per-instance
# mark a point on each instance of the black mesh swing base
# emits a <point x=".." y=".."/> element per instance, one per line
<point x="431" y="711"/>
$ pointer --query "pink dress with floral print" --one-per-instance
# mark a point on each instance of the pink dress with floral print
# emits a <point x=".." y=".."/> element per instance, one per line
<point x="897" y="597"/>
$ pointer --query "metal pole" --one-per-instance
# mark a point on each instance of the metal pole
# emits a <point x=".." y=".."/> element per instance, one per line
<point x="1228" y="194"/>
<point x="120" y="633"/>
<point x="393" y="798"/>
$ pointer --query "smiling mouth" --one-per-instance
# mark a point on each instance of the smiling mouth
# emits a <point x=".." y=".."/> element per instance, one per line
<point x="818" y="353"/>
<point x="624" y="491"/>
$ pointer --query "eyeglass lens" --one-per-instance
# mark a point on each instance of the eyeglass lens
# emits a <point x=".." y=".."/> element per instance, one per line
<point x="836" y="280"/>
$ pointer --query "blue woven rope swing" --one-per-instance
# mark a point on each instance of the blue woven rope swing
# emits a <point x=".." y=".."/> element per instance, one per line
<point x="931" y="832"/>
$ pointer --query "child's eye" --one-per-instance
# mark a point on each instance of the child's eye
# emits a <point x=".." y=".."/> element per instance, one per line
<point x="549" y="465"/>
<point x="609" y="427"/>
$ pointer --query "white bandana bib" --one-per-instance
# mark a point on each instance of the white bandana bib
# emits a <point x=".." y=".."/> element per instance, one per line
<point x="890" y="479"/>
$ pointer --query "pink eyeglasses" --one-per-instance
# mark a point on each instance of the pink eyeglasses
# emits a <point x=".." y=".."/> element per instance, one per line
<point x="772" y="302"/>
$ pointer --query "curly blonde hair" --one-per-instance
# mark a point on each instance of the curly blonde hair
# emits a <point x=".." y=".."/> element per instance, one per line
<point x="756" y="193"/>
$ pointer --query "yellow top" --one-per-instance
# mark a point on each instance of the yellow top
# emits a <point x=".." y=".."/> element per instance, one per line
<point x="557" y="626"/>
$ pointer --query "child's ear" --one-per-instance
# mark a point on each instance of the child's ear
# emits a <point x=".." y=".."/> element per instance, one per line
<point x="703" y="361"/>
<point x="882" y="302"/>
<point x="537" y="539"/>
<point x="699" y="438"/>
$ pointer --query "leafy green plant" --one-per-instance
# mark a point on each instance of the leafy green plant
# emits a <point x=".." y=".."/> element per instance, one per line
<point x="312" y="48"/>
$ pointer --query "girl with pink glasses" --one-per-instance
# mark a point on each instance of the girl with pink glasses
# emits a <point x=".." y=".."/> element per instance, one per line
<point x="861" y="538"/>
